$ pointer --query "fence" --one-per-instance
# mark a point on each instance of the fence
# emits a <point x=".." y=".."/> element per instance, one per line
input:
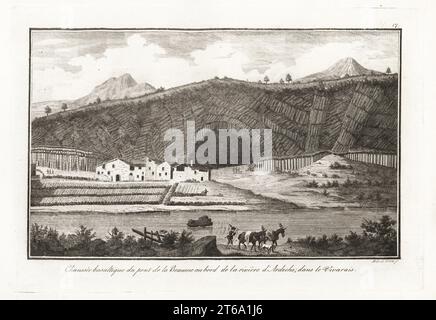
<point x="387" y="159"/>
<point x="381" y="159"/>
<point x="289" y="163"/>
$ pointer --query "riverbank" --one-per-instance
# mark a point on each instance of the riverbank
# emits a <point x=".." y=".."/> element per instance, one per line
<point x="376" y="237"/>
<point x="331" y="182"/>
<point x="133" y="208"/>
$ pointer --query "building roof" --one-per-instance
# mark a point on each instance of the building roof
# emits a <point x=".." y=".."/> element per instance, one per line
<point x="136" y="163"/>
<point x="181" y="167"/>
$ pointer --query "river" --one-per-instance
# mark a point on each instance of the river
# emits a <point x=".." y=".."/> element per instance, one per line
<point x="299" y="222"/>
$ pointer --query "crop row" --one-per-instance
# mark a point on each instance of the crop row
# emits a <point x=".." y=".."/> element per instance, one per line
<point x="45" y="192"/>
<point x="100" y="185"/>
<point x="202" y="201"/>
<point x="122" y="199"/>
<point x="190" y="189"/>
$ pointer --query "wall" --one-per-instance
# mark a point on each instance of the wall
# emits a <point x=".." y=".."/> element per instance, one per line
<point x="190" y="174"/>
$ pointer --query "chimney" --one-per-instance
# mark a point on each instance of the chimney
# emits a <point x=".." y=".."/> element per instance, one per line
<point x="192" y="162"/>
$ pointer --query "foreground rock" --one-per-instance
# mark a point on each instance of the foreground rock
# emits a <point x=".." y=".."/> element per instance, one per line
<point x="205" y="246"/>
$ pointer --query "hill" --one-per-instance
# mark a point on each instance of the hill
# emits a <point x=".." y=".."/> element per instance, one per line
<point x="358" y="113"/>
<point x="346" y="67"/>
<point x="115" y="88"/>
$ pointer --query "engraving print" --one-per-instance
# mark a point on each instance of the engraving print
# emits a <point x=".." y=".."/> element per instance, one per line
<point x="214" y="143"/>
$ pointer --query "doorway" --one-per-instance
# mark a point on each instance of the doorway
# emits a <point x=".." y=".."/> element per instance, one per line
<point x="117" y="177"/>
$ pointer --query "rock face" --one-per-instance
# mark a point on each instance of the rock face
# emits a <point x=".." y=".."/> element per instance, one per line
<point x="350" y="113"/>
<point x="205" y="247"/>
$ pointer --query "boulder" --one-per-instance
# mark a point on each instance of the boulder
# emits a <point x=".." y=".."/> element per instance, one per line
<point x="205" y="247"/>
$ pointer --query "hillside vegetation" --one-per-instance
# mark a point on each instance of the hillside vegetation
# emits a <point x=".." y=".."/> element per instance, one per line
<point x="355" y="112"/>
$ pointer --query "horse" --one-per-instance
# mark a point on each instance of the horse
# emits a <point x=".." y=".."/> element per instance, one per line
<point x="274" y="236"/>
<point x="252" y="237"/>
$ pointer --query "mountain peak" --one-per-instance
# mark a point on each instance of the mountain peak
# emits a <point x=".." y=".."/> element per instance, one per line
<point x="125" y="80"/>
<point x="123" y="86"/>
<point x="345" y="67"/>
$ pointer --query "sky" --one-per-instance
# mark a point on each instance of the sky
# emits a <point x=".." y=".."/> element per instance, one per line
<point x="69" y="64"/>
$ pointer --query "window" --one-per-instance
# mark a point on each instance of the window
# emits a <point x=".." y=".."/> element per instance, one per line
<point x="195" y="172"/>
<point x="152" y="173"/>
<point x="160" y="174"/>
<point x="163" y="169"/>
<point x="113" y="166"/>
<point x="139" y="167"/>
<point x="103" y="166"/>
<point x="137" y="176"/>
<point x="109" y="172"/>
<point x="166" y="173"/>
<point x="201" y="178"/>
<point x="149" y="168"/>
<point x="132" y="168"/>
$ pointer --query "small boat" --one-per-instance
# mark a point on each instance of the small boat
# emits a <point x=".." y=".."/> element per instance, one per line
<point x="203" y="221"/>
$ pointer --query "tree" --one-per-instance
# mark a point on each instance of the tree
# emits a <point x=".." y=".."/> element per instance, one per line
<point x="98" y="100"/>
<point x="64" y="106"/>
<point x="388" y="70"/>
<point x="281" y="81"/>
<point x="47" y="110"/>
<point x="288" y="78"/>
<point x="266" y="79"/>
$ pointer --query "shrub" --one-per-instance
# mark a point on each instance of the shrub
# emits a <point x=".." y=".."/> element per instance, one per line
<point x="377" y="238"/>
<point x="325" y="175"/>
<point x="114" y="241"/>
<point x="44" y="241"/>
<point x="335" y="176"/>
<point x="337" y="166"/>
<point x="325" y="192"/>
<point x="169" y="239"/>
<point x="312" y="184"/>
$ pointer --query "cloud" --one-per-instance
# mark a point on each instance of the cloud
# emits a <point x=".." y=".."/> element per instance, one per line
<point x="70" y="67"/>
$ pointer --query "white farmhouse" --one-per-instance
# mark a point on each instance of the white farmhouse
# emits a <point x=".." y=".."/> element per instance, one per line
<point x="164" y="171"/>
<point x="114" y="170"/>
<point x="185" y="172"/>
<point x="122" y="170"/>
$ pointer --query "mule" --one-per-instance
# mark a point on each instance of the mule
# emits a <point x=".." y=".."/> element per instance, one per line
<point x="252" y="237"/>
<point x="274" y="236"/>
